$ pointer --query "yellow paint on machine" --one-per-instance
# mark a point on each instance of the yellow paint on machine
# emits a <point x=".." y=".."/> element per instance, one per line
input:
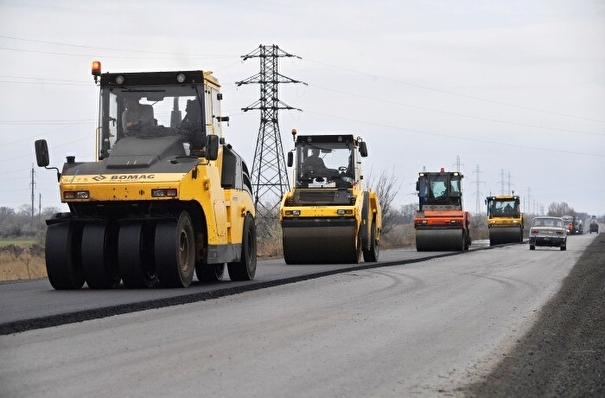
<point x="112" y="187"/>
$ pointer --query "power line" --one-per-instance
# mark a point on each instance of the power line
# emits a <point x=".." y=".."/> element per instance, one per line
<point x="374" y="76"/>
<point x="459" y="114"/>
<point x="375" y="124"/>
<point x="130" y="51"/>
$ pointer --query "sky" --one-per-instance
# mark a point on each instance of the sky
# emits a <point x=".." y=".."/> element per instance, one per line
<point x="510" y="93"/>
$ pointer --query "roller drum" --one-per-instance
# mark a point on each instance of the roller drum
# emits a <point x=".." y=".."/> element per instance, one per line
<point x="501" y="235"/>
<point x="320" y="241"/>
<point x="440" y="240"/>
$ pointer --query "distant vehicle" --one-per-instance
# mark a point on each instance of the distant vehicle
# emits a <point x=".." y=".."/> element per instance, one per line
<point x="548" y="231"/>
<point x="594" y="225"/>
<point x="579" y="227"/>
<point x="570" y="224"/>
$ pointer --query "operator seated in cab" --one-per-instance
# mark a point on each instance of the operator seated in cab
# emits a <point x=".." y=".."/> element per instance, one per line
<point x="191" y="127"/>
<point x="137" y="118"/>
<point x="313" y="164"/>
<point x="338" y="171"/>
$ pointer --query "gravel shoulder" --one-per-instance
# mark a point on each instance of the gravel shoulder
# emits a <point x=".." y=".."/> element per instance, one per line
<point x="563" y="355"/>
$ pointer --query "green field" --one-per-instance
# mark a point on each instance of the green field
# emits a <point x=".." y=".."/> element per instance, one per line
<point x="18" y="242"/>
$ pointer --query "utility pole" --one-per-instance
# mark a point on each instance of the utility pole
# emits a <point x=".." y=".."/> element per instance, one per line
<point x="269" y="173"/>
<point x="33" y="186"/>
<point x="478" y="192"/>
<point x="501" y="181"/>
<point x="457" y="164"/>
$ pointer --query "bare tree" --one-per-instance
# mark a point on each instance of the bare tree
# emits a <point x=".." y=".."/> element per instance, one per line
<point x="386" y="186"/>
<point x="560" y="209"/>
<point x="407" y="212"/>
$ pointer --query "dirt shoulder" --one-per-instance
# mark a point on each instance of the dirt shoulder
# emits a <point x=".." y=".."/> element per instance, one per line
<point x="563" y="355"/>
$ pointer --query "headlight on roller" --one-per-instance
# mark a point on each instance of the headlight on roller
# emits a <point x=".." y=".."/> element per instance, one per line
<point x="76" y="195"/>
<point x="164" y="193"/>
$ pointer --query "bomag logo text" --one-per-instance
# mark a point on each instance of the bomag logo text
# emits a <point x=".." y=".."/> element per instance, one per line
<point x="133" y="177"/>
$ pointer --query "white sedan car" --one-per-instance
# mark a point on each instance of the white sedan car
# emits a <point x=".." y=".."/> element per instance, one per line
<point x="548" y="231"/>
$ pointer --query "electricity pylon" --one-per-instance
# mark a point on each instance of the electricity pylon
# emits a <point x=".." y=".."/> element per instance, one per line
<point x="269" y="174"/>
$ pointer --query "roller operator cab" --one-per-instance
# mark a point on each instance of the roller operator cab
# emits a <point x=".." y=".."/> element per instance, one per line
<point x="505" y="222"/>
<point x="328" y="217"/>
<point x="441" y="224"/>
<point x="165" y="195"/>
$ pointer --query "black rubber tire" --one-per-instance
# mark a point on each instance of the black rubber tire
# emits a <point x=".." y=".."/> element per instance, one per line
<point x="532" y="247"/>
<point x="100" y="256"/>
<point x="135" y="256"/>
<point x="245" y="268"/>
<point x="62" y="252"/>
<point x="175" y="251"/>
<point x="210" y="272"/>
<point x="371" y="255"/>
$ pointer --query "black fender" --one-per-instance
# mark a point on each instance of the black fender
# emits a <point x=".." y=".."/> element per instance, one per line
<point x="365" y="222"/>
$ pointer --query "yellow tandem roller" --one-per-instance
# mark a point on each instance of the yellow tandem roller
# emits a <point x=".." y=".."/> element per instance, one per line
<point x="504" y="219"/>
<point x="327" y="217"/>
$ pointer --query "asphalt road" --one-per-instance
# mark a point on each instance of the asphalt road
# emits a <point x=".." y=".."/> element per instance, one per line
<point x="27" y="305"/>
<point x="425" y="328"/>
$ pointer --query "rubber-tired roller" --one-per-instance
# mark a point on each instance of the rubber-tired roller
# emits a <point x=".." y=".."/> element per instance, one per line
<point x="165" y="199"/>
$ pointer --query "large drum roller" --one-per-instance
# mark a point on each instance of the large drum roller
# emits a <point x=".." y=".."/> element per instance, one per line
<point x="327" y="217"/>
<point x="504" y="219"/>
<point x="440" y="222"/>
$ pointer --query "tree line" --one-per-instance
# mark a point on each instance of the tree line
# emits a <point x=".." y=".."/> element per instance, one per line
<point x="19" y="223"/>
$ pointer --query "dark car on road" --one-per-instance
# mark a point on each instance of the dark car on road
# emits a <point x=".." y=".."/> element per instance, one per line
<point x="594" y="226"/>
<point x="548" y="231"/>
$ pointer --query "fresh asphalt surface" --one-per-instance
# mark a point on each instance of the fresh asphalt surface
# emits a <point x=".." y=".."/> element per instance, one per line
<point x="26" y="305"/>
<point x="489" y="323"/>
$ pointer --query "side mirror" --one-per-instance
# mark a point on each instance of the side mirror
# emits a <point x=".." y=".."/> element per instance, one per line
<point x="363" y="149"/>
<point x="42" y="157"/>
<point x="290" y="159"/>
<point x="212" y="145"/>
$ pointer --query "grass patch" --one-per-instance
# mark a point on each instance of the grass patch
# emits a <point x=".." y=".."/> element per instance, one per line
<point x="21" y="242"/>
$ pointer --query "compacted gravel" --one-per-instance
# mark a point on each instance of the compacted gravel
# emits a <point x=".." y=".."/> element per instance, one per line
<point x="563" y="355"/>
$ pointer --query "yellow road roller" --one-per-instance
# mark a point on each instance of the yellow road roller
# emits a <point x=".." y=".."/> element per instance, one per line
<point x="328" y="217"/>
<point x="504" y="219"/>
